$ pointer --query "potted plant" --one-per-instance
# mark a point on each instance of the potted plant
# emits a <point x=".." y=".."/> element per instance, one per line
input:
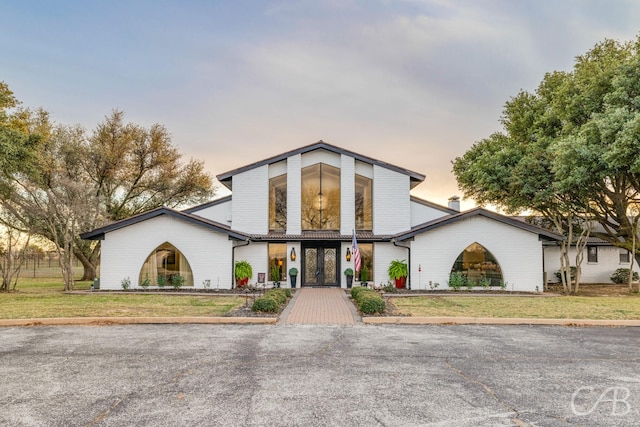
<point x="398" y="271"/>
<point x="364" y="276"/>
<point x="243" y="272"/>
<point x="349" y="273"/>
<point x="275" y="276"/>
<point x="293" y="275"/>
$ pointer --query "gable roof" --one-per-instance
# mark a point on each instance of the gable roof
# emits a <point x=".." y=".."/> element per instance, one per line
<point x="439" y="222"/>
<point x="436" y="206"/>
<point x="206" y="205"/>
<point x="225" y="178"/>
<point x="98" y="233"/>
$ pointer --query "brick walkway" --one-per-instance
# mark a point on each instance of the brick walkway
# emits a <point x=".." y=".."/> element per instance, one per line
<point x="314" y="306"/>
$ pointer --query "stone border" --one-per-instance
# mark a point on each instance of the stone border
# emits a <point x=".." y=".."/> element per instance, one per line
<point x="377" y="320"/>
<point x="135" y="320"/>
<point x="408" y="320"/>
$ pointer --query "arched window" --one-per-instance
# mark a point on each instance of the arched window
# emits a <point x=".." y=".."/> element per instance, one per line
<point x="478" y="265"/>
<point x="163" y="264"/>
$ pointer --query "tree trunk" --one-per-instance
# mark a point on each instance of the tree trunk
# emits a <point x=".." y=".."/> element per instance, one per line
<point x="89" y="264"/>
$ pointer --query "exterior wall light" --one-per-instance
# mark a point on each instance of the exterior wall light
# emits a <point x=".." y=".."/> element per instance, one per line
<point x="348" y="254"/>
<point x="292" y="255"/>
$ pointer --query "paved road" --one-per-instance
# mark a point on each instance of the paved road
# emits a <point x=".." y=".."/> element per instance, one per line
<point x="257" y="375"/>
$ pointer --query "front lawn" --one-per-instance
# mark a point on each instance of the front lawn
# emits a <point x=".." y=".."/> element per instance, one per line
<point x="43" y="298"/>
<point x="560" y="307"/>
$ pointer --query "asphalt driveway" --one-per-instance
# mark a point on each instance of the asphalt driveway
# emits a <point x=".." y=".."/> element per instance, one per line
<point x="255" y="375"/>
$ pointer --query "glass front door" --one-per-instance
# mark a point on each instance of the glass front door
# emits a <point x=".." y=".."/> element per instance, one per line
<point x="320" y="266"/>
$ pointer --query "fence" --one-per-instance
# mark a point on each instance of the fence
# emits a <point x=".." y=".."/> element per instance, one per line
<point x="46" y="264"/>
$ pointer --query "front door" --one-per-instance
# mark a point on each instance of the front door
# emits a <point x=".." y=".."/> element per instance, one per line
<point x="320" y="265"/>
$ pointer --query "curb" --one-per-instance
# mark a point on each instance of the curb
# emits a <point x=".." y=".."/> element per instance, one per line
<point x="95" y="321"/>
<point x="406" y="320"/>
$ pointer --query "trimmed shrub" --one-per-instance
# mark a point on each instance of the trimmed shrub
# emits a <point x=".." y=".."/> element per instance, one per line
<point x="357" y="290"/>
<point x="572" y="270"/>
<point x="371" y="303"/>
<point x="272" y="300"/>
<point x="621" y="276"/>
<point x="277" y="294"/>
<point x="266" y="304"/>
<point x="368" y="300"/>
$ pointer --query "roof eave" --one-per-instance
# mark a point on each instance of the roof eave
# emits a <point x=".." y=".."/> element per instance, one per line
<point x="226" y="177"/>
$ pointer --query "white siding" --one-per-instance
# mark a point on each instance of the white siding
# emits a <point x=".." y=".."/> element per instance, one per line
<point x="320" y="156"/>
<point x="364" y="169"/>
<point x="294" y="194"/>
<point x="600" y="272"/>
<point x="257" y="254"/>
<point x="344" y="264"/>
<point x="421" y="213"/>
<point x="347" y="195"/>
<point x="125" y="250"/>
<point x="277" y="169"/>
<point x="220" y="212"/>
<point x="251" y="201"/>
<point x="518" y="252"/>
<point x="383" y="254"/>
<point x="391" y="208"/>
<point x="295" y="263"/>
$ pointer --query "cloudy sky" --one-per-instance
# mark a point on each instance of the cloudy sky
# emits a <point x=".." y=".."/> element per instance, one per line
<point x="411" y="82"/>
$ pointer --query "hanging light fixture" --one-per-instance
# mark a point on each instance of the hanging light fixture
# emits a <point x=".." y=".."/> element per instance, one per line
<point x="348" y="254"/>
<point x="292" y="255"/>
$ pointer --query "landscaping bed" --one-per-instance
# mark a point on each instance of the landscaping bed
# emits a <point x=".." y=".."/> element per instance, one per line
<point x="595" y="290"/>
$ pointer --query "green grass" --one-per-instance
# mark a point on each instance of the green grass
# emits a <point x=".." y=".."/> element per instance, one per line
<point x="43" y="298"/>
<point x="562" y="307"/>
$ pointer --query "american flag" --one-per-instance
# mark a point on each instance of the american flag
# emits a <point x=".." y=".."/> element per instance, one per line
<point x="356" y="253"/>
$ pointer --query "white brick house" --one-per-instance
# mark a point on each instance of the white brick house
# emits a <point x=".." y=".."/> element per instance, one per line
<point x="300" y="209"/>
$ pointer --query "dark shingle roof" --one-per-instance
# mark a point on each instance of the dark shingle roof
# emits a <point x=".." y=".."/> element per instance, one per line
<point x="98" y="233"/>
<point x="208" y="204"/>
<point x="361" y="236"/>
<point x="424" y="202"/>
<point x="439" y="222"/>
<point x="225" y="178"/>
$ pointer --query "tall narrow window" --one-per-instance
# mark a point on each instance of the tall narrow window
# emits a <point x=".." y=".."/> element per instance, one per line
<point x="478" y="265"/>
<point x="592" y="254"/>
<point x="320" y="197"/>
<point x="364" y="203"/>
<point x="278" y="203"/>
<point x="278" y="262"/>
<point x="163" y="265"/>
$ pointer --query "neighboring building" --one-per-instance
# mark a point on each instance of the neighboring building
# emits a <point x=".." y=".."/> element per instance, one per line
<point x="300" y="209"/>
<point x="600" y="260"/>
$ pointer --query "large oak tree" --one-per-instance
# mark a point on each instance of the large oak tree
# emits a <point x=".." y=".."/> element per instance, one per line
<point x="571" y="148"/>
<point x="64" y="180"/>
